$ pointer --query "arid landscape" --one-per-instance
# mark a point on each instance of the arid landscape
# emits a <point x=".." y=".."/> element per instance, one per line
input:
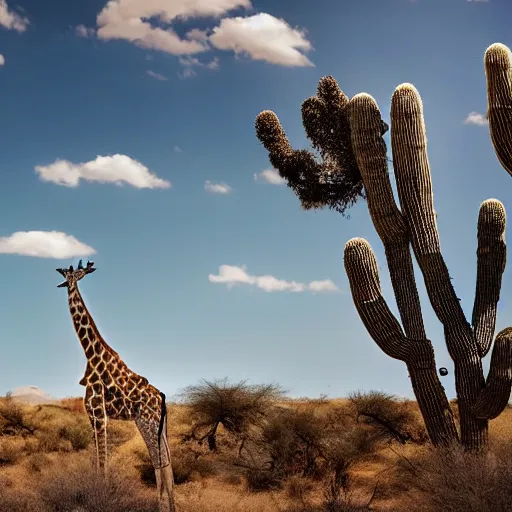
<point x="270" y="453"/>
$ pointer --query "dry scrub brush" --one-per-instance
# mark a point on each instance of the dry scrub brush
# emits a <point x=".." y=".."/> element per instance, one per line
<point x="237" y="407"/>
<point x="78" y="487"/>
<point x="453" y="480"/>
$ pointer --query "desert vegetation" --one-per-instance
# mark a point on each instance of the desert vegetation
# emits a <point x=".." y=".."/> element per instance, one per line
<point x="369" y="451"/>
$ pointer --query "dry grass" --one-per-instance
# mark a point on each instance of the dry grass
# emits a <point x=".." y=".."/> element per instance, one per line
<point x="328" y="461"/>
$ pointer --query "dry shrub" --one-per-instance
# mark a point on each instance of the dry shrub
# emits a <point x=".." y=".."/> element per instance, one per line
<point x="12" y="418"/>
<point x="81" y="487"/>
<point x="187" y="464"/>
<point x="289" y="444"/>
<point x="236" y="407"/>
<point x="393" y="418"/>
<point x="78" y="433"/>
<point x="298" y="488"/>
<point x="455" y="480"/>
<point x="60" y="430"/>
<point x="11" y="500"/>
<point x="11" y="450"/>
<point x="38" y="461"/>
<point x="262" y="479"/>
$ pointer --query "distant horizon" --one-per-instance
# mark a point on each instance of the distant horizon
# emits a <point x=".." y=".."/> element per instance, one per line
<point x="128" y="138"/>
<point x="174" y="397"/>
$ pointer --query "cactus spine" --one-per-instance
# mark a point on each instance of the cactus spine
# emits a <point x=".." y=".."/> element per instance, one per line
<point x="358" y="151"/>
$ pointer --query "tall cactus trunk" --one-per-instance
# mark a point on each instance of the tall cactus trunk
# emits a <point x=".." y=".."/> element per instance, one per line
<point x="349" y="137"/>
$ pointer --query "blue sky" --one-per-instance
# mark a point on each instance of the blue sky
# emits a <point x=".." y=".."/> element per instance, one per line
<point x="92" y="97"/>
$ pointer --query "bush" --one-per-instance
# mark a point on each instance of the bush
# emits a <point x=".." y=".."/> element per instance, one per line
<point x="38" y="461"/>
<point x="11" y="500"/>
<point x="454" y="480"/>
<point x="78" y="433"/>
<point x="11" y="450"/>
<point x="289" y="444"/>
<point x="81" y="487"/>
<point x="12" y="418"/>
<point x="394" y="419"/>
<point x="236" y="407"/>
<point x="260" y="480"/>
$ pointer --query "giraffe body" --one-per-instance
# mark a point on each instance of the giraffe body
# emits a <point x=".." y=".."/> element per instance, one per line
<point x="113" y="391"/>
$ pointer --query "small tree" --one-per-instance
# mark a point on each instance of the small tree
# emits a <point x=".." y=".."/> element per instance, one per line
<point x="236" y="407"/>
<point x="349" y="138"/>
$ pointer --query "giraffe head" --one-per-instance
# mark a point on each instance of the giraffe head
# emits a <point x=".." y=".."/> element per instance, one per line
<point x="73" y="275"/>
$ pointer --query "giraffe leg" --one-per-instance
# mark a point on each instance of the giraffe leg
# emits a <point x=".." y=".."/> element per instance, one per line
<point x="155" y="437"/>
<point x="95" y="407"/>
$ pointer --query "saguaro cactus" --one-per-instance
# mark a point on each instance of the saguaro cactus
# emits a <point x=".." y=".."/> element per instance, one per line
<point x="498" y="70"/>
<point x="348" y="135"/>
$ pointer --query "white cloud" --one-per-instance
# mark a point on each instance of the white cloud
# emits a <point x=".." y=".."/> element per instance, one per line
<point x="11" y="20"/>
<point x="263" y="37"/>
<point x="116" y="169"/>
<point x="44" y="244"/>
<point x="476" y="118"/>
<point x="232" y="275"/>
<point x="197" y="35"/>
<point x="217" y="188"/>
<point x="479" y="1"/>
<point x="156" y="76"/>
<point x="83" y="31"/>
<point x="177" y="149"/>
<point x="322" y="286"/>
<point x="269" y="176"/>
<point x="2" y="60"/>
<point x="129" y="20"/>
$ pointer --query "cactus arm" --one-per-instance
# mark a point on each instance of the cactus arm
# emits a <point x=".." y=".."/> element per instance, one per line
<point x="370" y="150"/>
<point x="491" y="260"/>
<point x="362" y="272"/>
<point x="498" y="71"/>
<point x="495" y="396"/>
<point x="363" y="275"/>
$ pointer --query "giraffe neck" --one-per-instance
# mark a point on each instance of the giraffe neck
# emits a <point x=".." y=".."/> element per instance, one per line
<point x="90" y="338"/>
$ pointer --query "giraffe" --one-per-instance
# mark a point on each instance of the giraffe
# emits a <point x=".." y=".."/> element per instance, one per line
<point x="114" y="391"/>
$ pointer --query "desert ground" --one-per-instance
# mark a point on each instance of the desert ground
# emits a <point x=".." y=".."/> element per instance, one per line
<point x="366" y="452"/>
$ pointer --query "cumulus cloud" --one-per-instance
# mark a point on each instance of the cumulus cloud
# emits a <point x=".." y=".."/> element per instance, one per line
<point x="476" y="118"/>
<point x="232" y="275"/>
<point x="269" y="176"/>
<point x="83" y="31"/>
<point x="156" y="76"/>
<point x="118" y="169"/>
<point x="217" y="188"/>
<point x="148" y="24"/>
<point x="2" y="60"/>
<point x="263" y="37"/>
<point x="44" y="244"/>
<point x="130" y="20"/>
<point x="11" y="20"/>
<point x="325" y="285"/>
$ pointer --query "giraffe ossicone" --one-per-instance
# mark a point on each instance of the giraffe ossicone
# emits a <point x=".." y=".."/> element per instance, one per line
<point x="114" y="391"/>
